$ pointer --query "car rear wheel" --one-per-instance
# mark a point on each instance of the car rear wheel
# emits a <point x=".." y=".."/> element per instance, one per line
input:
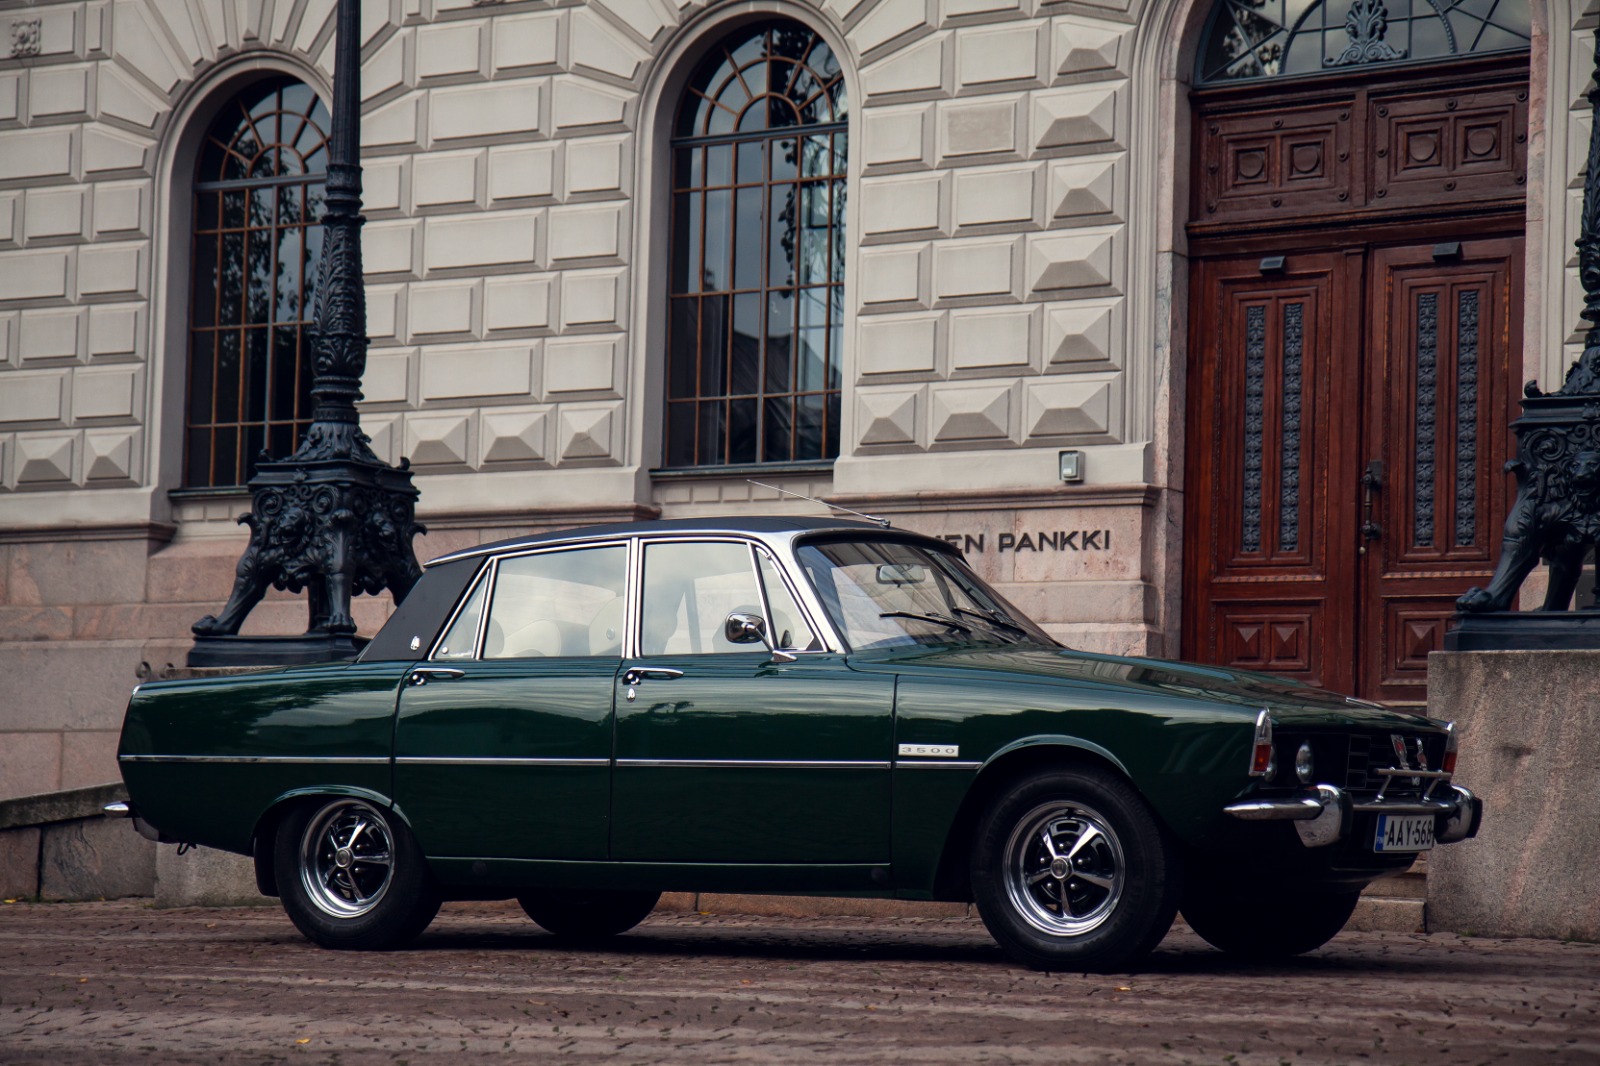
<point x="587" y="916"/>
<point x="1072" y="871"/>
<point x="351" y="876"/>
<point x="1252" y="927"/>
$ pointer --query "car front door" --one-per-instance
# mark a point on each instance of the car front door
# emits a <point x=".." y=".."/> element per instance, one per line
<point x="727" y="755"/>
<point x="503" y="739"/>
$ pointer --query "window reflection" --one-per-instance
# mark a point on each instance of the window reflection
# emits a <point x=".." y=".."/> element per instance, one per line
<point x="1249" y="39"/>
<point x="258" y="202"/>
<point x="756" y="304"/>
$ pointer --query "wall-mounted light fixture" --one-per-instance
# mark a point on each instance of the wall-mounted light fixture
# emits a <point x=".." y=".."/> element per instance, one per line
<point x="1071" y="466"/>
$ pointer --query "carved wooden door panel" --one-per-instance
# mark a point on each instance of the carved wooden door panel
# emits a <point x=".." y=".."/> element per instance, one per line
<point x="1439" y="399"/>
<point x="1274" y="399"/>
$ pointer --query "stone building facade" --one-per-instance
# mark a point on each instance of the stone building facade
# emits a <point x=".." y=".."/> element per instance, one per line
<point x="1017" y="282"/>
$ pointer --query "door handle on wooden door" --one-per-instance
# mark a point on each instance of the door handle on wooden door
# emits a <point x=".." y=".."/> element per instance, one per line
<point x="1371" y="485"/>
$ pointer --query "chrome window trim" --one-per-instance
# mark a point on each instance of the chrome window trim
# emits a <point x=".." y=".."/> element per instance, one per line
<point x="783" y="563"/>
<point x="485" y="573"/>
<point x="361" y="760"/>
<point x="764" y="764"/>
<point x="489" y="760"/>
<point x="821" y="633"/>
<point x="491" y="573"/>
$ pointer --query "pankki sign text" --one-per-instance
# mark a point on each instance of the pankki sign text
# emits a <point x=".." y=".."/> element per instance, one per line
<point x="1075" y="540"/>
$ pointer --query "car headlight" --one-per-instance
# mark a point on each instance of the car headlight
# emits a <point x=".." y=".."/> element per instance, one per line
<point x="1303" y="765"/>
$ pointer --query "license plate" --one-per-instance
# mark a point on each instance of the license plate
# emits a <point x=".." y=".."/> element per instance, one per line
<point x="1404" y="832"/>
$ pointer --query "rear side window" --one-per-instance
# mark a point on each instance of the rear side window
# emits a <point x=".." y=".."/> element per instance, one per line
<point x="558" y="604"/>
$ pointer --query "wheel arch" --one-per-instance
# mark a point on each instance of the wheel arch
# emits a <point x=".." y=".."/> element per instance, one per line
<point x="265" y="831"/>
<point x="1016" y="760"/>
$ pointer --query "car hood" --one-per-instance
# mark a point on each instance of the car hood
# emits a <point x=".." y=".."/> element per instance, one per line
<point x="1291" y="702"/>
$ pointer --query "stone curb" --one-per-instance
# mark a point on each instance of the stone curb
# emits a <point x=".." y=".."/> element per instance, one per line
<point x="49" y="808"/>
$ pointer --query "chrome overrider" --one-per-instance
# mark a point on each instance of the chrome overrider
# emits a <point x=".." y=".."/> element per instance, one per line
<point x="1322" y="814"/>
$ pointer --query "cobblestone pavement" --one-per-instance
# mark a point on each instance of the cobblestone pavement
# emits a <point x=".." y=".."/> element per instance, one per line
<point x="121" y="982"/>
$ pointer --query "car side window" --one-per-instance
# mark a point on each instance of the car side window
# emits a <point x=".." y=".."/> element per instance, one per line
<point x="562" y="603"/>
<point x="788" y="624"/>
<point x="689" y="591"/>
<point x="461" y="642"/>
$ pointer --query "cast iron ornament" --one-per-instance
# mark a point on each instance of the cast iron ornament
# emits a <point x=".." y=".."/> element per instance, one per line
<point x="1556" y="515"/>
<point x="333" y="519"/>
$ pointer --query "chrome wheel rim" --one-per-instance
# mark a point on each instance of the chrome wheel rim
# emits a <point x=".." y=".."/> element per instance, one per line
<point x="346" y="859"/>
<point x="1064" y="869"/>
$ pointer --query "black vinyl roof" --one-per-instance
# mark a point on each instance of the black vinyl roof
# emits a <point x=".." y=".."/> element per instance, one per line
<point x="736" y="524"/>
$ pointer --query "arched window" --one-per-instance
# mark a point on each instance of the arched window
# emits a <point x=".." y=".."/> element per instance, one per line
<point x="1249" y="39"/>
<point x="258" y="192"/>
<point x="757" y="279"/>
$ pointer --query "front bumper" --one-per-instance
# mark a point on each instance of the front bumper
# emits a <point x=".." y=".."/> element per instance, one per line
<point x="1326" y="814"/>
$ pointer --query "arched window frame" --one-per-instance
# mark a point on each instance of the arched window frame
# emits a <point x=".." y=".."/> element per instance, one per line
<point x="751" y="401"/>
<point x="247" y="371"/>
<point x="1257" y="40"/>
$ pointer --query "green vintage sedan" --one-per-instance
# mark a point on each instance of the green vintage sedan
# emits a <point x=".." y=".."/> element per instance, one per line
<point x="583" y="720"/>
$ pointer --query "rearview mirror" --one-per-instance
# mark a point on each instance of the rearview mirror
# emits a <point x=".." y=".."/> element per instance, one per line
<point x="902" y="574"/>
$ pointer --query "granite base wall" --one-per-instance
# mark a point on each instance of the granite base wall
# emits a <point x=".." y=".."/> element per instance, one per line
<point x="1530" y="731"/>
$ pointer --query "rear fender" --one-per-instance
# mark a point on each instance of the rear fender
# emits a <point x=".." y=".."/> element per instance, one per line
<point x="264" y="835"/>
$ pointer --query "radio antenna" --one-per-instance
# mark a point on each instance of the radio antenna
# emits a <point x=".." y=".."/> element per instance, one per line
<point x="884" y="522"/>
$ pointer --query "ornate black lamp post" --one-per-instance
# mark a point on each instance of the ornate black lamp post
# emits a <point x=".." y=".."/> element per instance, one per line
<point x="333" y="518"/>
<point x="1556" y="516"/>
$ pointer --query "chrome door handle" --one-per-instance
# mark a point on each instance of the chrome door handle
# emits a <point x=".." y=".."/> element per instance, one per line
<point x="423" y="674"/>
<point x="650" y="673"/>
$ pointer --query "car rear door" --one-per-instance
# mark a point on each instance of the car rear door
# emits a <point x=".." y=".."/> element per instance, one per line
<point x="726" y="756"/>
<point x="503" y="737"/>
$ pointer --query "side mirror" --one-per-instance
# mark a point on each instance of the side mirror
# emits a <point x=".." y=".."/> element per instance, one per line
<point x="752" y="629"/>
<point x="745" y="629"/>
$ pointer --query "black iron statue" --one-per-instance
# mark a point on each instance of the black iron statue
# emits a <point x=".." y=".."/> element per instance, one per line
<point x="333" y="519"/>
<point x="1556" y="516"/>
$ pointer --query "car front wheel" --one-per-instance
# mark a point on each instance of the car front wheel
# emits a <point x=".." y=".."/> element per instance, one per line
<point x="1278" y="927"/>
<point x="351" y="877"/>
<point x="1072" y="871"/>
<point x="587" y="916"/>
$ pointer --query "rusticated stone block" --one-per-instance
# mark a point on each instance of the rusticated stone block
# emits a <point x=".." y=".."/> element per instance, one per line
<point x="19" y="863"/>
<point x="99" y="858"/>
<point x="30" y="763"/>
<point x="205" y="878"/>
<point x="1529" y="723"/>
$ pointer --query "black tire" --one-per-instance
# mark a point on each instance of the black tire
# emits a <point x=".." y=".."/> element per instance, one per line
<point x="583" y="916"/>
<point x="336" y="886"/>
<point x="1276" y="927"/>
<point x="1108" y="906"/>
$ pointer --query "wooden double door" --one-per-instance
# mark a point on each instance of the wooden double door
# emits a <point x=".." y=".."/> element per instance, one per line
<point x="1347" y="434"/>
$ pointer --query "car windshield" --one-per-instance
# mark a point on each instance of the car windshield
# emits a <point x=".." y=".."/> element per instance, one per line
<point x="884" y="593"/>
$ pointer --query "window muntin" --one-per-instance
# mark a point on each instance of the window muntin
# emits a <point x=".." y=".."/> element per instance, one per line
<point x="258" y="201"/>
<point x="1251" y="39"/>
<point x="558" y="604"/>
<point x="873" y="589"/>
<point x="756" y="288"/>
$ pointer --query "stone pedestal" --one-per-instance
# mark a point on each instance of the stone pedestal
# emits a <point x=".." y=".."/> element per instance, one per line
<point x="1530" y="740"/>
<point x="202" y="877"/>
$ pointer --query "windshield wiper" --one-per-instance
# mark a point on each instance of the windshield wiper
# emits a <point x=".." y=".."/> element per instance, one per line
<point x="936" y="619"/>
<point x="989" y="616"/>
